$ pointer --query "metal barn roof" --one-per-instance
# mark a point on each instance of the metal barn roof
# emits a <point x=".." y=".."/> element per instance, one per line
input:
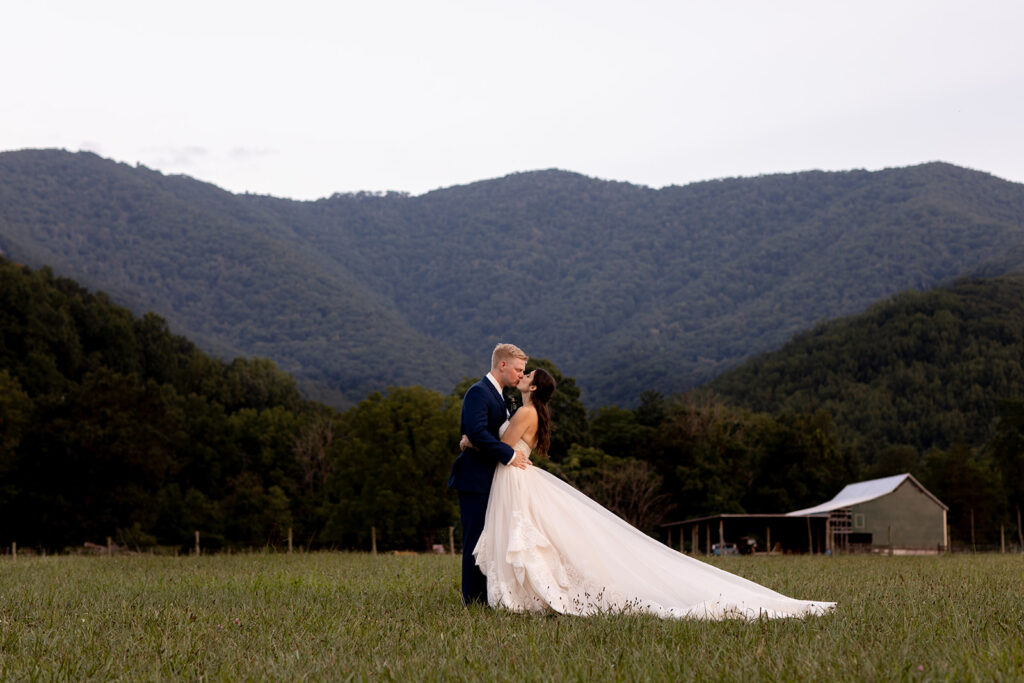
<point x="862" y="492"/>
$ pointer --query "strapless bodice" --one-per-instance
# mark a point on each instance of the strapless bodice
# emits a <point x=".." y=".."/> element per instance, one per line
<point x="521" y="445"/>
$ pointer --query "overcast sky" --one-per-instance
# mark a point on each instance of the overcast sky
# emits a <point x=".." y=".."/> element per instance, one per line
<point x="303" y="99"/>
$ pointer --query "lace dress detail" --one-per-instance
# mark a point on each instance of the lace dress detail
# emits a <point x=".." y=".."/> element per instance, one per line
<point x="547" y="547"/>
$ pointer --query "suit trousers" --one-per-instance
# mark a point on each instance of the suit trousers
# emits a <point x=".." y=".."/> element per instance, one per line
<point x="473" y="512"/>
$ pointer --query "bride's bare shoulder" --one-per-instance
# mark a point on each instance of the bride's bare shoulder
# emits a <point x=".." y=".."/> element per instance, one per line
<point x="527" y="412"/>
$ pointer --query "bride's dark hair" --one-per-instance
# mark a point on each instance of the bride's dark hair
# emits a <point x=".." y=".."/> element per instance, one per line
<point x="545" y="384"/>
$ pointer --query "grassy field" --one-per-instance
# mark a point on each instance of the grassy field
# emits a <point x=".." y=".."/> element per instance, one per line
<point x="352" y="616"/>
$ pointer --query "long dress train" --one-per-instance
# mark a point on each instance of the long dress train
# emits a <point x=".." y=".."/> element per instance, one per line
<point x="546" y="546"/>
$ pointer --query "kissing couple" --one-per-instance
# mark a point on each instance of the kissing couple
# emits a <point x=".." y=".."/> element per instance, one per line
<point x="533" y="543"/>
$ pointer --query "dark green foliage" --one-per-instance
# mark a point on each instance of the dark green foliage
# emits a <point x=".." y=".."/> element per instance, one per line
<point x="968" y="481"/>
<point x="1003" y="456"/>
<point x="714" y="458"/>
<point x="923" y="369"/>
<point x="630" y="288"/>
<point x="392" y="462"/>
<point x="112" y="426"/>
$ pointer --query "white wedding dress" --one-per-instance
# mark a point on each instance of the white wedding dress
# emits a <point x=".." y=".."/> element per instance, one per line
<point x="546" y="546"/>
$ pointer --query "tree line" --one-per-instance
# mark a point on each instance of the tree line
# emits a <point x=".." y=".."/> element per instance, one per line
<point x="110" y="425"/>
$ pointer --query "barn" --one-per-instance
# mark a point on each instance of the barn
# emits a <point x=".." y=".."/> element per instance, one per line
<point x="894" y="512"/>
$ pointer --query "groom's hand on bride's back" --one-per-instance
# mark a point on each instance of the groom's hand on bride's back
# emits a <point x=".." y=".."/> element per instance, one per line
<point x="520" y="460"/>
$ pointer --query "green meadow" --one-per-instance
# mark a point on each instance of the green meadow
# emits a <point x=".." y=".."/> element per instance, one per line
<point x="341" y="616"/>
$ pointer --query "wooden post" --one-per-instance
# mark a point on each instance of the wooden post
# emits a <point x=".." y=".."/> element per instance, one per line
<point x="669" y="529"/>
<point x="373" y="540"/>
<point x="768" y="535"/>
<point x="694" y="539"/>
<point x="828" y="536"/>
<point x="451" y="539"/>
<point x="197" y="542"/>
<point x="289" y="540"/>
<point x="1020" y="533"/>
<point x="721" y="536"/>
<point x="1002" y="538"/>
<point x="110" y="547"/>
<point x="810" y="538"/>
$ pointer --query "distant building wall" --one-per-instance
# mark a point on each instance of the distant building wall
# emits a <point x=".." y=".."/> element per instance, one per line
<point x="916" y="519"/>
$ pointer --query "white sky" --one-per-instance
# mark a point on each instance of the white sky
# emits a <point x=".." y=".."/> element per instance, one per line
<point x="303" y="99"/>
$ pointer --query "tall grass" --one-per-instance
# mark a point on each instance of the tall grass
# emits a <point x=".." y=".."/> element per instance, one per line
<point x="353" y="616"/>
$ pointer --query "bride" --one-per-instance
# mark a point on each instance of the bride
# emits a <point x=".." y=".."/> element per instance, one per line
<point x="546" y="546"/>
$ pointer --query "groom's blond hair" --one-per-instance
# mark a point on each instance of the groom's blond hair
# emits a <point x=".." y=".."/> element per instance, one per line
<point x="506" y="352"/>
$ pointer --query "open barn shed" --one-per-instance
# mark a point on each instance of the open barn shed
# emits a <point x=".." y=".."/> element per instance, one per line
<point x="896" y="514"/>
<point x="733" y="532"/>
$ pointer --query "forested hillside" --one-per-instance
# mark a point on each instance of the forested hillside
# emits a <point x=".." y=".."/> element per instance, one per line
<point x="627" y="287"/>
<point x="112" y="426"/>
<point x="924" y="369"/>
<point x="217" y="268"/>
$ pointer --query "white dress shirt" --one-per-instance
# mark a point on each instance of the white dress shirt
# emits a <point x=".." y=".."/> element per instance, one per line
<point x="498" y="389"/>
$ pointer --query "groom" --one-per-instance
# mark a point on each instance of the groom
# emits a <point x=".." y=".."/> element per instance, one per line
<point x="483" y="413"/>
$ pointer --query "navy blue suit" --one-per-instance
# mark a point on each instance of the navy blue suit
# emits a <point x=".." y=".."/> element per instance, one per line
<point x="483" y="413"/>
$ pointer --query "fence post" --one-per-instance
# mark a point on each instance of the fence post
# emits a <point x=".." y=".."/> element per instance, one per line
<point x="373" y="540"/>
<point x="1020" y="533"/>
<point x="451" y="539"/>
<point x="1002" y="539"/>
<point x="768" y="535"/>
<point x="197" y="542"/>
<point x="289" y="540"/>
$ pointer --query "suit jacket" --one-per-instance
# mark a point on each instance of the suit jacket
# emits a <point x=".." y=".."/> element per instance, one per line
<point x="483" y="413"/>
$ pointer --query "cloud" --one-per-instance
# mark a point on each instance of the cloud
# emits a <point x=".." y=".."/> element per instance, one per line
<point x="249" y="153"/>
<point x="170" y="156"/>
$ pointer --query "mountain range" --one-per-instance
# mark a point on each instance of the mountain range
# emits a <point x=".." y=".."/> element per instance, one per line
<point x="624" y="287"/>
